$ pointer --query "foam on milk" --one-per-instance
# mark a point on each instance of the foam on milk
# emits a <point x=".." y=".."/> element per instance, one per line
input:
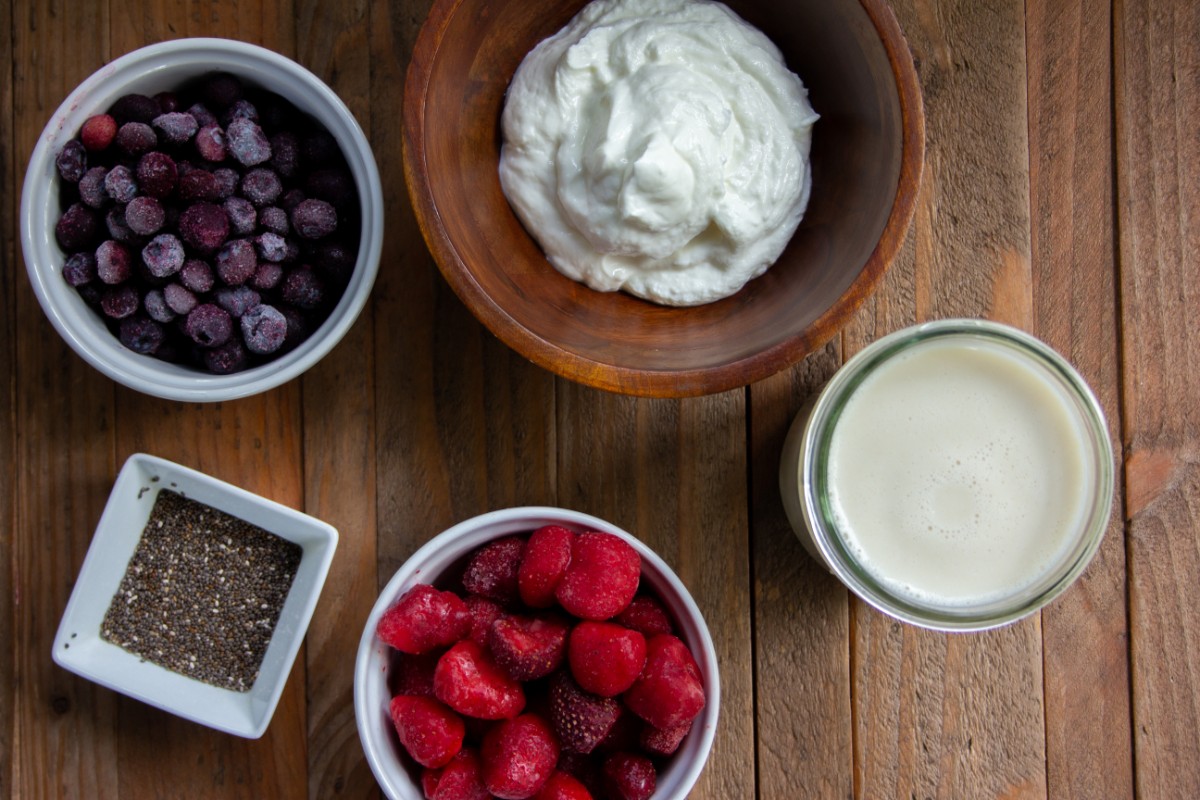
<point x="957" y="473"/>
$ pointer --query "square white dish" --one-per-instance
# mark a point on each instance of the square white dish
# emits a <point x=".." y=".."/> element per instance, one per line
<point x="79" y="648"/>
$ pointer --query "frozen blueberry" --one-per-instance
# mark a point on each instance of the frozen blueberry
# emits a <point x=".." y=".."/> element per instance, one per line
<point x="118" y="228"/>
<point x="243" y="217"/>
<point x="156" y="306"/>
<point x="136" y="138"/>
<point x="113" y="263"/>
<point x="264" y="329"/>
<point x="241" y="109"/>
<point x="334" y="185"/>
<point x="285" y="153"/>
<point x="236" y="262"/>
<point x="202" y="115"/>
<point x="198" y="184"/>
<point x="229" y="357"/>
<point x="76" y="229"/>
<point x="144" y="215"/>
<point x="135" y="108"/>
<point x="156" y="174"/>
<point x="79" y="269"/>
<point x="179" y="298"/>
<point x="197" y="275"/>
<point x="221" y="90"/>
<point x="237" y="300"/>
<point x="271" y="247"/>
<point x="91" y="187"/>
<point x="204" y="226"/>
<point x="303" y="288"/>
<point x="163" y="256"/>
<point x="176" y="127"/>
<point x="209" y="325"/>
<point x="72" y="161"/>
<point x="314" y="219"/>
<point x="119" y="302"/>
<point x="261" y="186"/>
<point x="267" y="276"/>
<point x="275" y="220"/>
<point x="227" y="182"/>
<point x="98" y="132"/>
<point x="141" y="334"/>
<point x="247" y="143"/>
<point x="211" y="143"/>
<point x="120" y="184"/>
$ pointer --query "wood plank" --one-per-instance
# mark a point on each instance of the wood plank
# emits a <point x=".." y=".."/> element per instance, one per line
<point x="11" y="272"/>
<point x="1158" y="200"/>
<point x="1085" y="632"/>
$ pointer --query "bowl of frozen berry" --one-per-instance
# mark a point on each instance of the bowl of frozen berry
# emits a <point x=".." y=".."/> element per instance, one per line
<point x="536" y="652"/>
<point x="202" y="219"/>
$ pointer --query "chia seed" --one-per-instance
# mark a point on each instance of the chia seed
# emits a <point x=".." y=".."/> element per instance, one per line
<point x="202" y="593"/>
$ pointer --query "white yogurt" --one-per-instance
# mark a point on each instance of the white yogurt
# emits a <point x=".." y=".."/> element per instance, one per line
<point x="659" y="147"/>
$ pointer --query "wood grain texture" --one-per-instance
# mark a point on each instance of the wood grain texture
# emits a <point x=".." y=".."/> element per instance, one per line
<point x="1158" y="200"/>
<point x="1085" y="632"/>
<point x="11" y="271"/>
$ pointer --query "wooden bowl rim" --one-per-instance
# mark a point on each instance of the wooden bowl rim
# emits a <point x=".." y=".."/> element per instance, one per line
<point x="662" y="383"/>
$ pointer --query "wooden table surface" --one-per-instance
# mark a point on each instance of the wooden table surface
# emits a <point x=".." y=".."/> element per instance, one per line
<point x="1061" y="194"/>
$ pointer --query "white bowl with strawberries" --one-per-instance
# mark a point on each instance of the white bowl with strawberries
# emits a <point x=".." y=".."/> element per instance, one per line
<point x="536" y="653"/>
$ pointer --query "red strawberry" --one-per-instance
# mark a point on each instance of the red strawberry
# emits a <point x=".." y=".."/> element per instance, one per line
<point x="467" y="680"/>
<point x="601" y="578"/>
<point x="483" y="613"/>
<point x="547" y="555"/>
<point x="518" y="757"/>
<point x="670" y="691"/>
<point x="581" y="720"/>
<point x="461" y="779"/>
<point x="492" y="571"/>
<point x="629" y="777"/>
<point x="412" y="674"/>
<point x="656" y="742"/>
<point x="429" y="780"/>
<point x="429" y="731"/>
<point x="423" y="620"/>
<point x="98" y="132"/>
<point x="646" y="615"/>
<point x="528" y="648"/>
<point x="562" y="786"/>
<point x="605" y="658"/>
<point x="623" y="735"/>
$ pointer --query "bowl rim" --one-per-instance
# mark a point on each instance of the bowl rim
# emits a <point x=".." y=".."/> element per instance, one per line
<point x="144" y="373"/>
<point x="663" y="383"/>
<point x="473" y="532"/>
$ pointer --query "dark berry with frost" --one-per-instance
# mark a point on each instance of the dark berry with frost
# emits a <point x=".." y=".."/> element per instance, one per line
<point x="141" y="334"/>
<point x="163" y="256"/>
<point x="314" y="219"/>
<point x="118" y="302"/>
<point x="156" y="306"/>
<point x="237" y="300"/>
<point x="303" y="288"/>
<point x="98" y="132"/>
<point x="243" y="217"/>
<point x="228" y="358"/>
<point x="71" y="161"/>
<point x="135" y="138"/>
<point x="221" y="89"/>
<point x="197" y="275"/>
<point x="77" y="228"/>
<point x="113" y="263"/>
<point x="135" y="108"/>
<point x="198" y="184"/>
<point x="332" y="185"/>
<point x="285" y="153"/>
<point x="202" y="115"/>
<point x="176" y="127"/>
<point x="157" y="174"/>
<point x="247" y="143"/>
<point x="271" y="247"/>
<point x="120" y="185"/>
<point x="275" y="220"/>
<point x="227" y="182"/>
<point x="117" y="227"/>
<point x="179" y="298"/>
<point x="261" y="186"/>
<point x="211" y="143"/>
<point x="91" y="188"/>
<point x="209" y="325"/>
<point x="267" y="276"/>
<point x="144" y="215"/>
<point x="335" y="260"/>
<point x="291" y="198"/>
<point x="168" y="102"/>
<point x="264" y="329"/>
<point x="79" y="269"/>
<point x="240" y="109"/>
<point x="236" y="262"/>
<point x="204" y="226"/>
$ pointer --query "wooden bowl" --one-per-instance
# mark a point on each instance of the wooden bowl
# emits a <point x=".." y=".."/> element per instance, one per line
<point x="867" y="155"/>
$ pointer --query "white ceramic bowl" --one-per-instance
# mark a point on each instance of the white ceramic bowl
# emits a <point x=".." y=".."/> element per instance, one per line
<point x="79" y="648"/>
<point x="154" y="69"/>
<point x="447" y="550"/>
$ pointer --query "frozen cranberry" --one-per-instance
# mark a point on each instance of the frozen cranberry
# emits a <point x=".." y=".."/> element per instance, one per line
<point x="117" y="227"/>
<point x="141" y="334"/>
<point x="119" y="302"/>
<point x="71" y="161"/>
<point x="144" y="215"/>
<point x="334" y="185"/>
<point x="227" y="182"/>
<point x="98" y="132"/>
<point x="236" y="262"/>
<point x="79" y="269"/>
<point x="134" y="108"/>
<point x="303" y="288"/>
<point x="229" y="357"/>
<point x="135" y="138"/>
<point x="271" y="247"/>
<point x="120" y="184"/>
<point x="156" y="174"/>
<point x="204" y="226"/>
<point x="247" y="143"/>
<point x="202" y="115"/>
<point x="179" y="298"/>
<point x="275" y="220"/>
<point x="197" y="275"/>
<point x="163" y="256"/>
<point x="77" y="228"/>
<point x="156" y="306"/>
<point x="314" y="219"/>
<point x="237" y="300"/>
<point x="285" y="153"/>
<point x="198" y="184"/>
<point x="221" y="89"/>
<point x="176" y="127"/>
<point x="267" y="276"/>
<point x="264" y="328"/>
<point x="91" y="187"/>
<point x="261" y="186"/>
<point x="209" y="325"/>
<point x="243" y="217"/>
<point x="211" y="143"/>
<point x="113" y="264"/>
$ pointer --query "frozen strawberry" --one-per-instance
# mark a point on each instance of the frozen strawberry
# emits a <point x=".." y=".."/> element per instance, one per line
<point x="461" y="779"/>
<point x="562" y="786"/>
<point x="413" y="675"/>
<point x="430" y="732"/>
<point x="424" y="619"/>
<point x="483" y="613"/>
<point x="605" y="658"/>
<point x="656" y="742"/>
<point x="492" y="571"/>
<point x="528" y="648"/>
<point x="624" y="733"/>
<point x="429" y="780"/>
<point x="602" y="577"/>
<point x="629" y="777"/>
<point x="580" y="720"/>
<point x="468" y="680"/>
<point x="519" y="756"/>
<point x="669" y="692"/>
<point x="547" y="555"/>
<point x="646" y="615"/>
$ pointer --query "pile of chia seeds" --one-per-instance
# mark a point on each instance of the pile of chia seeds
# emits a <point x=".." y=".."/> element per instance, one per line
<point x="202" y="593"/>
